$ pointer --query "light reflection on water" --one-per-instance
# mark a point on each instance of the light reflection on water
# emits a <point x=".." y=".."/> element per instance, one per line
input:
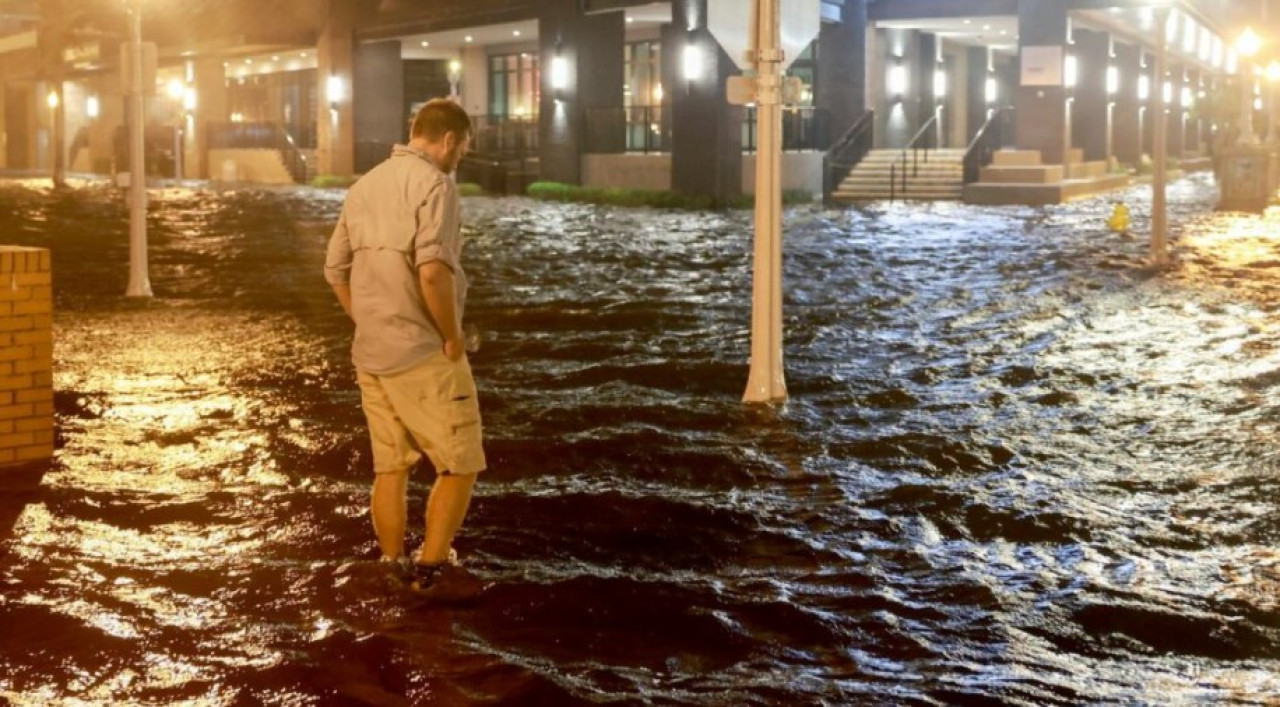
<point x="1018" y="465"/>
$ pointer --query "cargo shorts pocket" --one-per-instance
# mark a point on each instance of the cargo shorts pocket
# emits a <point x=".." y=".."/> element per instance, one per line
<point x="464" y="430"/>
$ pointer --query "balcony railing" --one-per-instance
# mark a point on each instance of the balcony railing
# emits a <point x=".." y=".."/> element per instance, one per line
<point x="803" y="129"/>
<point x="504" y="137"/>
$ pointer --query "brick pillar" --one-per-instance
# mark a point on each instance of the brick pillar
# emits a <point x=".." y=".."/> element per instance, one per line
<point x="26" y="355"/>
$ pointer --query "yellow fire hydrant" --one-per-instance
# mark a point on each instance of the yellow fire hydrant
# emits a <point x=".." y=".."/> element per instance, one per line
<point x="1119" y="221"/>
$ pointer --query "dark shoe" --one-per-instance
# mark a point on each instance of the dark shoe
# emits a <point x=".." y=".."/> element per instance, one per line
<point x="446" y="583"/>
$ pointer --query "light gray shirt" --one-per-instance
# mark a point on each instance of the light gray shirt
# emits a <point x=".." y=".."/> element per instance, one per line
<point x="401" y="215"/>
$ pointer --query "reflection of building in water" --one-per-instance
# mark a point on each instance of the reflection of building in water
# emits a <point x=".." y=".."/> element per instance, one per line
<point x="632" y="93"/>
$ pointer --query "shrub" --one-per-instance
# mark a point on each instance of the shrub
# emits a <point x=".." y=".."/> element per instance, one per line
<point x="332" y="181"/>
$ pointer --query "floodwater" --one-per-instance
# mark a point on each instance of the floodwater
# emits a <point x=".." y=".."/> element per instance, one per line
<point x="1018" y="466"/>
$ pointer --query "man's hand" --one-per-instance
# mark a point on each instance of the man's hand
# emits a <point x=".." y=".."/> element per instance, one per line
<point x="454" y="348"/>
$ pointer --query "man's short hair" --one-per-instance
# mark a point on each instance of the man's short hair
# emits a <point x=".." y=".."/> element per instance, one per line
<point x="439" y="116"/>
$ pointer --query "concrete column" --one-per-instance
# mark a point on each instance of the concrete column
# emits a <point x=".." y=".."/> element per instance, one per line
<point x="335" y="57"/>
<point x="842" y="82"/>
<point x="378" y="111"/>
<point x="925" y="68"/>
<point x="1042" y="110"/>
<point x="706" y="132"/>
<point x="901" y="53"/>
<point x="1177" y="135"/>
<point x="211" y="109"/>
<point x="975" y="86"/>
<point x="1149" y="106"/>
<point x="591" y="48"/>
<point x="1126" y="123"/>
<point x="475" y="81"/>
<point x="1195" y="113"/>
<point x="1090" y="106"/>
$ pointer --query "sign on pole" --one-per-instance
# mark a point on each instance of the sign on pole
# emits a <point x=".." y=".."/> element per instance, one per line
<point x="729" y="21"/>
<point x="801" y="20"/>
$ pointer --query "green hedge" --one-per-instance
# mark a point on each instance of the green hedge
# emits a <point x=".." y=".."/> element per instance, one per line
<point x="331" y="181"/>
<point x="557" y="191"/>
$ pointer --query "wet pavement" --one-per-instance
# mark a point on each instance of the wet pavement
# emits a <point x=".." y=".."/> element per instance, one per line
<point x="1018" y="466"/>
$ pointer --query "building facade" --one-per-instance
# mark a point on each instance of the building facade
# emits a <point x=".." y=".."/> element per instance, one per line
<point x="618" y="92"/>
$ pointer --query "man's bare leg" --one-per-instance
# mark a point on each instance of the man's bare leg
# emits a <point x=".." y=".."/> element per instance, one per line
<point x="446" y="507"/>
<point x="387" y="506"/>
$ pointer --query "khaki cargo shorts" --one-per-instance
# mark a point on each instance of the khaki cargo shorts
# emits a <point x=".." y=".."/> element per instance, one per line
<point x="429" y="409"/>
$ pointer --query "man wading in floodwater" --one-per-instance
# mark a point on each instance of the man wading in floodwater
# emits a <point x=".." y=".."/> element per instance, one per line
<point x="393" y="262"/>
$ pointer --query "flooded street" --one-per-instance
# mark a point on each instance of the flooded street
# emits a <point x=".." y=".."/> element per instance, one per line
<point x="1018" y="467"/>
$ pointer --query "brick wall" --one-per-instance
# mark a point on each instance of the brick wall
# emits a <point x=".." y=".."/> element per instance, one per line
<point x="26" y="355"/>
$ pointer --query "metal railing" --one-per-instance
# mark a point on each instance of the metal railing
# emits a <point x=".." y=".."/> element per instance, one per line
<point x="260" y="136"/>
<point x="847" y="152"/>
<point x="989" y="138"/>
<point x="928" y="137"/>
<point x="628" y="129"/>
<point x="505" y="137"/>
<point x="804" y="128"/>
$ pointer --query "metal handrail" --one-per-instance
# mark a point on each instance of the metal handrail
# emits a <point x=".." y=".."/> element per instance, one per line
<point x="978" y="153"/>
<point x="265" y="135"/>
<point x="847" y="152"/>
<point x="914" y="148"/>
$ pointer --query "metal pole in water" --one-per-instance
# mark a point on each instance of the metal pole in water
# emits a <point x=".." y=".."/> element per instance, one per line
<point x="139" y="281"/>
<point x="1159" y="209"/>
<point x="766" y="382"/>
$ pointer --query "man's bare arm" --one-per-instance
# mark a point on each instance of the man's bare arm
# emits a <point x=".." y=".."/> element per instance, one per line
<point x="436" y="281"/>
<point x="344" y="297"/>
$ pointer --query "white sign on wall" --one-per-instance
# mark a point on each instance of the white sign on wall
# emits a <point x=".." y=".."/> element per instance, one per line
<point x="1042" y="66"/>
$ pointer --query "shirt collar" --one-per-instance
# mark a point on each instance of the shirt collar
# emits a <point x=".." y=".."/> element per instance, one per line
<point x="410" y="151"/>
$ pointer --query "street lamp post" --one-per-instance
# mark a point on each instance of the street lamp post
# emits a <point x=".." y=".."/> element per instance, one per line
<point x="1159" y="175"/>
<point x="139" y="280"/>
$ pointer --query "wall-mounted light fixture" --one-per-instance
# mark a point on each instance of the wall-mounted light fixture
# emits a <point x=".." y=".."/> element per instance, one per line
<point x="335" y="91"/>
<point x="896" y="81"/>
<point x="559" y="73"/>
<point x="692" y="62"/>
<point x="1113" y="80"/>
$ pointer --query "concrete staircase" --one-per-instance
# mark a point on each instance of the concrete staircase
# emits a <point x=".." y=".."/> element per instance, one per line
<point x="1020" y="177"/>
<point x="941" y="178"/>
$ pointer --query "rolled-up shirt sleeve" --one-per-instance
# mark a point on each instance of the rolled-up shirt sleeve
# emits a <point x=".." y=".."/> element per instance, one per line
<point x="438" y="227"/>
<point x="337" y="262"/>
